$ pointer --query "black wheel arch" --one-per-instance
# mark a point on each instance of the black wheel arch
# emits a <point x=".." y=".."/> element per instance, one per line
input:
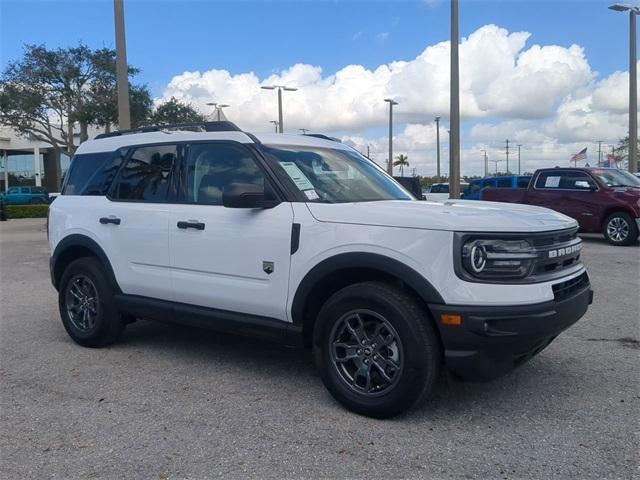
<point x="76" y="246"/>
<point x="339" y="271"/>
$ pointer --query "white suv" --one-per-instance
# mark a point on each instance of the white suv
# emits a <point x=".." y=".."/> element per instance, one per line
<point x="302" y="239"/>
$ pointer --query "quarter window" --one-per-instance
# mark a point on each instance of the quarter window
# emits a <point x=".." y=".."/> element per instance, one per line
<point x="92" y="173"/>
<point x="146" y="176"/>
<point x="210" y="168"/>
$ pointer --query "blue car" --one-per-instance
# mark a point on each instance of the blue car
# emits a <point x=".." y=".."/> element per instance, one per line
<point x="472" y="192"/>
<point x="25" y="196"/>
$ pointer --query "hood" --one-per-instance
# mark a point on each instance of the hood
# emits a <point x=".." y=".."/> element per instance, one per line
<point x="452" y="215"/>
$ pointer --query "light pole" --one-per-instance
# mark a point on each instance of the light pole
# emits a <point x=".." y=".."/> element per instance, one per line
<point x="217" y="109"/>
<point x="122" y="74"/>
<point x="519" y="169"/>
<point x="275" y="124"/>
<point x="507" y="156"/>
<point x="599" y="152"/>
<point x="390" y="163"/>
<point x="437" y="120"/>
<point x="633" y="84"/>
<point x="486" y="163"/>
<point x="454" y="107"/>
<point x="280" y="88"/>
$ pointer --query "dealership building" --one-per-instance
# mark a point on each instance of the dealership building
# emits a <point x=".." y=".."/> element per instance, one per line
<point x="27" y="161"/>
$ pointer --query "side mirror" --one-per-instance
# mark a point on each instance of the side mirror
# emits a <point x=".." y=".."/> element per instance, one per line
<point x="246" y="195"/>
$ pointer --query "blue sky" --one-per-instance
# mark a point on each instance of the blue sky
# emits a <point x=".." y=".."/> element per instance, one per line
<point x="168" y="37"/>
<point x="267" y="38"/>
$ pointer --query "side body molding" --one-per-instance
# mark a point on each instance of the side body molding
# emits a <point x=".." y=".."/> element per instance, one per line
<point x="68" y="247"/>
<point x="372" y="261"/>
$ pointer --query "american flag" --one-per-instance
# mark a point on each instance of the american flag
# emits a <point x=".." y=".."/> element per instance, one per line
<point x="578" y="157"/>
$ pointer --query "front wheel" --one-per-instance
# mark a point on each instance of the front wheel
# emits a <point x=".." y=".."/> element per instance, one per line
<point x="620" y="229"/>
<point x="376" y="349"/>
<point x="86" y="304"/>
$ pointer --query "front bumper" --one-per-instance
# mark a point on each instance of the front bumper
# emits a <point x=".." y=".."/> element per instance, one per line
<point x="490" y="341"/>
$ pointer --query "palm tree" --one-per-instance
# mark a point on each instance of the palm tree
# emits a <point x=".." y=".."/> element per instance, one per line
<point x="401" y="161"/>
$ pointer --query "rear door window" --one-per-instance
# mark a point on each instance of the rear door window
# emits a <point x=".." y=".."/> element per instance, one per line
<point x="550" y="180"/>
<point x="147" y="174"/>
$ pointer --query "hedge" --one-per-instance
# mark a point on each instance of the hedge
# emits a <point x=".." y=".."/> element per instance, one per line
<point x="26" y="211"/>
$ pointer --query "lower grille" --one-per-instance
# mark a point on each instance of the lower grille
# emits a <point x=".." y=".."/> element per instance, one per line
<point x="567" y="288"/>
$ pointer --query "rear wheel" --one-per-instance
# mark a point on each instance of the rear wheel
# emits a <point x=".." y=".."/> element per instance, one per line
<point x="86" y="304"/>
<point x="376" y="349"/>
<point x="620" y="229"/>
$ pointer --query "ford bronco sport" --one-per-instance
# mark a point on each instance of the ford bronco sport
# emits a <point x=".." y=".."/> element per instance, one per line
<point x="301" y="239"/>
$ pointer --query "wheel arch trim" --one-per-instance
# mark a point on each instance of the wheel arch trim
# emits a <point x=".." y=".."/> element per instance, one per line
<point x="82" y="241"/>
<point x="365" y="260"/>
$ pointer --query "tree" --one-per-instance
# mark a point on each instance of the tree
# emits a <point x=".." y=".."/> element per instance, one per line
<point x="621" y="152"/>
<point x="173" y="111"/>
<point x="48" y="92"/>
<point x="401" y="161"/>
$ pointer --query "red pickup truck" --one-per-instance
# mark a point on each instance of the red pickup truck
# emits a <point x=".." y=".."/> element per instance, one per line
<point x="602" y="200"/>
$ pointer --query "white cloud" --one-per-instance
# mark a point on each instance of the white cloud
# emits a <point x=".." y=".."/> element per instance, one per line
<point x="383" y="36"/>
<point x="543" y="96"/>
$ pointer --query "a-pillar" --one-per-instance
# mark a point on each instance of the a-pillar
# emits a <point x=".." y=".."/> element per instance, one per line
<point x="36" y="166"/>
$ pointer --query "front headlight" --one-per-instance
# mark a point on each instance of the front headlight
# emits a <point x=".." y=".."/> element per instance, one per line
<point x="497" y="258"/>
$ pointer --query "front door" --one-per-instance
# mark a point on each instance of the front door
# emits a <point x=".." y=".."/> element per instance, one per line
<point x="232" y="259"/>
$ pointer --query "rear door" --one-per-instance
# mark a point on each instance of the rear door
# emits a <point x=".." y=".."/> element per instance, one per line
<point x="579" y="199"/>
<point x="232" y="259"/>
<point x="134" y="220"/>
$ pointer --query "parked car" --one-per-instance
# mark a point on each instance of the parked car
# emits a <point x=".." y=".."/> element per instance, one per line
<point x="439" y="192"/>
<point x="300" y="239"/>
<point x="472" y="192"/>
<point x="25" y="196"/>
<point x="412" y="185"/>
<point x="602" y="200"/>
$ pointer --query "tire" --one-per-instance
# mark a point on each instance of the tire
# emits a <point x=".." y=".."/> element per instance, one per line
<point x="84" y="279"/>
<point x="410" y="354"/>
<point x="620" y="229"/>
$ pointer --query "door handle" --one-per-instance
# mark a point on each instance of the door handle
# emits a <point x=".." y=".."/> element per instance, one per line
<point x="107" y="220"/>
<point x="191" y="224"/>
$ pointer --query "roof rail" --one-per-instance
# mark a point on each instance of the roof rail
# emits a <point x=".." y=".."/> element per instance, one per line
<point x="323" y="136"/>
<point x="221" y="126"/>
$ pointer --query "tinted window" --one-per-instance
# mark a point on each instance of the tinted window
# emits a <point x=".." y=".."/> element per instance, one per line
<point x="38" y="190"/>
<point x="13" y="191"/>
<point x="92" y="173"/>
<point x="474" y="187"/>
<point x="25" y="190"/>
<point x="210" y="168"/>
<point x="523" y="182"/>
<point x="146" y="175"/>
<point x="549" y="179"/>
<point x="504" y="182"/>
<point x="576" y="181"/>
<point x="488" y="183"/>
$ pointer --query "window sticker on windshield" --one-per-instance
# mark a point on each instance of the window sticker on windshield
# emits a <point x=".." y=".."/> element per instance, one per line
<point x="299" y="178"/>
<point x="552" y="182"/>
<point x="311" y="194"/>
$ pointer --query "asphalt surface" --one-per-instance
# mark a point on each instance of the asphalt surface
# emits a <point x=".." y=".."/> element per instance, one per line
<point x="174" y="402"/>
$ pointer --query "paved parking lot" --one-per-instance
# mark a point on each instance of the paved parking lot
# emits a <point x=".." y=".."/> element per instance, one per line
<point x="174" y="402"/>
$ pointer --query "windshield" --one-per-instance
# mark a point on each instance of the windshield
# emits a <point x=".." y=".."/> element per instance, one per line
<point x="329" y="175"/>
<point x="616" y="178"/>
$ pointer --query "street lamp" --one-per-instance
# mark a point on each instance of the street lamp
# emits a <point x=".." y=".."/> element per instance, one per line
<point x="275" y="124"/>
<point x="519" y="170"/>
<point x="280" y="88"/>
<point x="454" y="107"/>
<point x="122" y="74"/>
<point x="633" y="83"/>
<point x="217" y="109"/>
<point x="486" y="163"/>
<point x="437" y="120"/>
<point x="391" y="103"/>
